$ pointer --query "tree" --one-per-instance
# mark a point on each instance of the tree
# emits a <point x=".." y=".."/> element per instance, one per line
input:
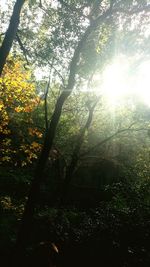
<point x="10" y="33"/>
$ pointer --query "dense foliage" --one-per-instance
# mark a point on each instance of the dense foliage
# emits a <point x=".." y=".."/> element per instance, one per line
<point x="74" y="161"/>
<point x="18" y="100"/>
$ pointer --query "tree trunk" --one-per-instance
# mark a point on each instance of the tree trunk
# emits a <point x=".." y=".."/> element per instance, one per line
<point x="24" y="232"/>
<point x="75" y="156"/>
<point x="10" y="33"/>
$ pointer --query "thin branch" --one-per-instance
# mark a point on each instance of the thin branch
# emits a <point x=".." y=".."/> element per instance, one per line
<point x="2" y="33"/>
<point x="46" y="95"/>
<point x="22" y="47"/>
<point x="58" y="73"/>
<point x="45" y="10"/>
<point x="111" y="137"/>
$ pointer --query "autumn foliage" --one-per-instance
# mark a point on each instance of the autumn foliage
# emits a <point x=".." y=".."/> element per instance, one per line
<point x="18" y="99"/>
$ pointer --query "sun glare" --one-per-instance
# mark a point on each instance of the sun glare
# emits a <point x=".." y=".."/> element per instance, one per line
<point x="120" y="80"/>
<point x="114" y="81"/>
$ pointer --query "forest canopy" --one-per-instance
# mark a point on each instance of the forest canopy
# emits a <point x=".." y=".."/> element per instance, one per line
<point x="75" y="128"/>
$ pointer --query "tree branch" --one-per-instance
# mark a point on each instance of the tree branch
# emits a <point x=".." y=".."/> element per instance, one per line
<point x="22" y="47"/>
<point x="58" y="73"/>
<point x="111" y="137"/>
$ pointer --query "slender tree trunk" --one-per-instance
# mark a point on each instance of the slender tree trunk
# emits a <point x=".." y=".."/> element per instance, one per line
<point x="10" y="33"/>
<point x="45" y="103"/>
<point x="24" y="232"/>
<point x="75" y="156"/>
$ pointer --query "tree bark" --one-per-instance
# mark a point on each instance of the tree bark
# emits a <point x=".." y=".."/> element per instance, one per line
<point x="10" y="33"/>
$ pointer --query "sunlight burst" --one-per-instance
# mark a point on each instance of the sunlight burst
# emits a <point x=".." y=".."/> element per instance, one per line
<point x="120" y="80"/>
<point x="114" y="85"/>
